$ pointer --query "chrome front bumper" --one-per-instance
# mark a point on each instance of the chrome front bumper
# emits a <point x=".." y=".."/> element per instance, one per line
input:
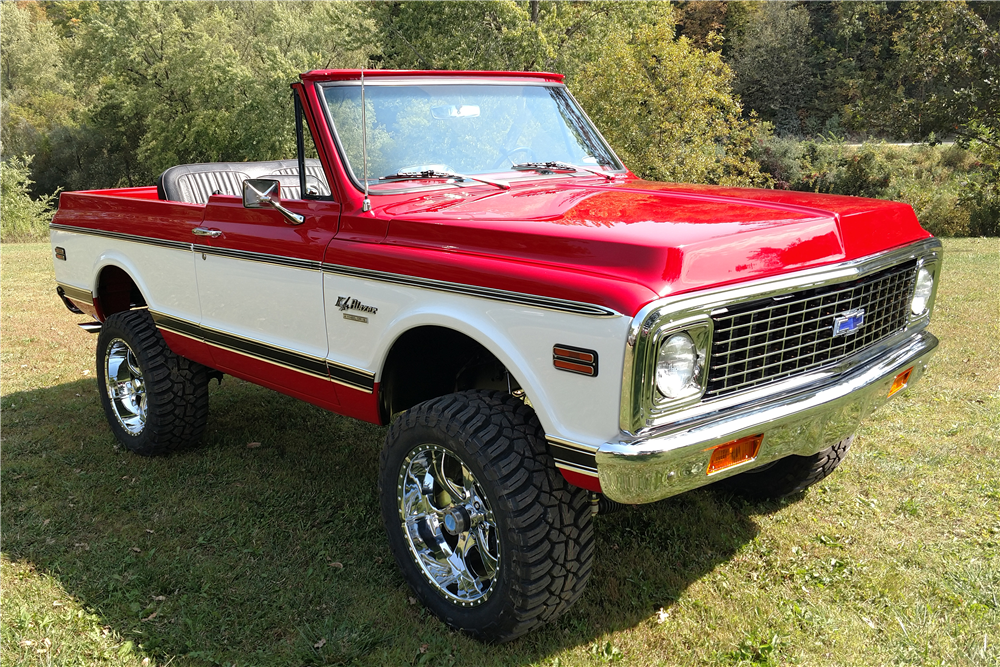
<point x="674" y="459"/>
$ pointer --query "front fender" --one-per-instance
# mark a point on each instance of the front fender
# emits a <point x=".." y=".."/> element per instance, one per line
<point x="570" y="406"/>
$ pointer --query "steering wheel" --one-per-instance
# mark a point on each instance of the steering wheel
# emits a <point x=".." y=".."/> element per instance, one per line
<point x="529" y="153"/>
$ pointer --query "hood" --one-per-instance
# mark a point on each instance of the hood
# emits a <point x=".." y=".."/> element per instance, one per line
<point x="669" y="238"/>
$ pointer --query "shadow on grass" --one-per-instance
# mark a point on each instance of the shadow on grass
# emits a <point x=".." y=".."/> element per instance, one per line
<point x="265" y="546"/>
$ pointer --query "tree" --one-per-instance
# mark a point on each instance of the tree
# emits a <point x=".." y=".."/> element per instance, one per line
<point x="943" y="79"/>
<point x="37" y="94"/>
<point x="772" y="57"/>
<point x="942" y="76"/>
<point x="702" y="22"/>
<point x="22" y="218"/>
<point x="180" y="82"/>
<point x="160" y="83"/>
<point x="851" y="41"/>
<point x="499" y="35"/>
<point x="665" y="106"/>
<point x="668" y="110"/>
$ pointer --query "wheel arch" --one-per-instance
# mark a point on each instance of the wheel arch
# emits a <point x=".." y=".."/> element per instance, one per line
<point x="426" y="361"/>
<point x="117" y="287"/>
<point x="435" y="355"/>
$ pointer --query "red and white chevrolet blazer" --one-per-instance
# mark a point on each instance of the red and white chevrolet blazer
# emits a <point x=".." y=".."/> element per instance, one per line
<point x="461" y="255"/>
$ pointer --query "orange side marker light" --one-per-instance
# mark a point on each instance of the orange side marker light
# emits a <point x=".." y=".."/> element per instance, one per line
<point x="734" y="452"/>
<point x="900" y="381"/>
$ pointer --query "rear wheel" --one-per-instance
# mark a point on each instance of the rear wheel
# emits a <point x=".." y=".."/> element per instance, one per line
<point x="486" y="531"/>
<point x="154" y="400"/>
<point x="789" y="475"/>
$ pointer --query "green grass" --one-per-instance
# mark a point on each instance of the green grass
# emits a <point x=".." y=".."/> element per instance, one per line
<point x="275" y="555"/>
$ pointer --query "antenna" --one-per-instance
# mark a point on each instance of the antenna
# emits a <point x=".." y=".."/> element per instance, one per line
<point x="367" y="205"/>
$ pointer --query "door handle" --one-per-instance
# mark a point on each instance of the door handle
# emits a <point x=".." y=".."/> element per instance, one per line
<point x="201" y="231"/>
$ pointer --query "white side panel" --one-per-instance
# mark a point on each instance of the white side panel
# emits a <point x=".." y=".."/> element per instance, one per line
<point x="165" y="276"/>
<point x="279" y="305"/>
<point x="571" y="406"/>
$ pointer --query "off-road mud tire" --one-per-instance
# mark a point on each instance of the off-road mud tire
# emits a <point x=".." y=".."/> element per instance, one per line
<point x="176" y="388"/>
<point x="546" y="537"/>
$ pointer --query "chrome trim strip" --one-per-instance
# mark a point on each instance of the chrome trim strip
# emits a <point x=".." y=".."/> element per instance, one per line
<point x="573" y="457"/>
<point x="176" y="325"/>
<point x="549" y="303"/>
<point x="262" y="257"/>
<point x="294" y="262"/>
<point x="638" y="414"/>
<point x="674" y="459"/>
<point x="577" y="469"/>
<point x="350" y="377"/>
<point x="76" y="293"/>
<point x="163" y="243"/>
<point x="287" y="358"/>
<point x="323" y="368"/>
<point x="569" y="444"/>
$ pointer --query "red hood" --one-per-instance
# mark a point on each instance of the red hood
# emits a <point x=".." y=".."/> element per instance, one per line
<point x="666" y="237"/>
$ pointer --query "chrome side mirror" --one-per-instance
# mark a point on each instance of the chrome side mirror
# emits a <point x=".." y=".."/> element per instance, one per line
<point x="266" y="193"/>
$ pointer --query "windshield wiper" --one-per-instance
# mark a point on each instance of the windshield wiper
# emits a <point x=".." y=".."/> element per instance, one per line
<point x="559" y="168"/>
<point x="432" y="173"/>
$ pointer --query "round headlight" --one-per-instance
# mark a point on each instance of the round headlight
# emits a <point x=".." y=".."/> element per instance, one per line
<point x="676" y="365"/>
<point x="922" y="291"/>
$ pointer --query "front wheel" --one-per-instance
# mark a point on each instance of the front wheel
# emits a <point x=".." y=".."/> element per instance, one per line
<point x="154" y="400"/>
<point x="486" y="531"/>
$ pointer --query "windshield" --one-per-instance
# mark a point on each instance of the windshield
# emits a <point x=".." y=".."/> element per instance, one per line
<point x="462" y="129"/>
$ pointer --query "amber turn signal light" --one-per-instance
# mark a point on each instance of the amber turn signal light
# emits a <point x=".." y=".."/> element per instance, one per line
<point x="900" y="381"/>
<point x="734" y="452"/>
<point x="575" y="360"/>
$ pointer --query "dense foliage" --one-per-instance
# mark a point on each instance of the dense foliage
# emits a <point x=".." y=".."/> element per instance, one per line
<point x="935" y="180"/>
<point x="667" y="109"/>
<point x="901" y="71"/>
<point x="162" y="83"/>
<point x="24" y="217"/>
<point x="106" y="93"/>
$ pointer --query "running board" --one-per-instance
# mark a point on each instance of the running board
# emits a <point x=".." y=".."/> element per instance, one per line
<point x="91" y="327"/>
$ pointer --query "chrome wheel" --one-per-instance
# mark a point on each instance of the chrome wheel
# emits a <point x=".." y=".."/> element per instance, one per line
<point x="448" y="525"/>
<point x="125" y="386"/>
<point x="485" y="529"/>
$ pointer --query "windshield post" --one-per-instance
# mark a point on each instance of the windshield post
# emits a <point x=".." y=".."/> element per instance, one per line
<point x="300" y="144"/>
<point x="367" y="206"/>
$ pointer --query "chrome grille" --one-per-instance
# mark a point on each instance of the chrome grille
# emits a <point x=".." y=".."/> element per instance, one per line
<point x="771" y="339"/>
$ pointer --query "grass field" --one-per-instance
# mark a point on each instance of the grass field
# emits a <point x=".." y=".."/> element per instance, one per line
<point x="275" y="555"/>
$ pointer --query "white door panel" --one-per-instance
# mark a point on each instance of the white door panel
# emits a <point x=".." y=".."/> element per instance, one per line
<point x="279" y="305"/>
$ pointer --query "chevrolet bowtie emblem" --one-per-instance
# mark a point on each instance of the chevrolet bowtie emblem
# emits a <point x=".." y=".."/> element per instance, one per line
<point x="848" y="323"/>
